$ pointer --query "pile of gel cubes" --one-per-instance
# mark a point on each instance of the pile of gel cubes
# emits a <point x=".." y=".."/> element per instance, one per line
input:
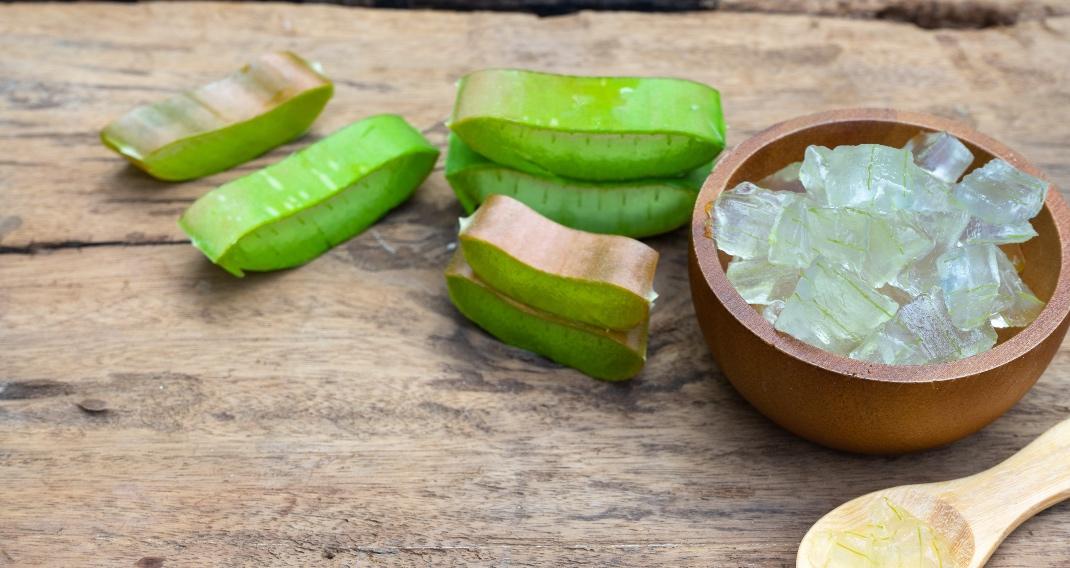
<point x="884" y="254"/>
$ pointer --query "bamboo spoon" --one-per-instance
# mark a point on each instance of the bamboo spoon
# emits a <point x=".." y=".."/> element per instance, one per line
<point x="974" y="514"/>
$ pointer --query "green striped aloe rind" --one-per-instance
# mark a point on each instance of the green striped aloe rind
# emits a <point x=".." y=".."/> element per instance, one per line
<point x="591" y="128"/>
<point x="292" y="211"/>
<point x="225" y="123"/>
<point x="603" y="354"/>
<point x="635" y="208"/>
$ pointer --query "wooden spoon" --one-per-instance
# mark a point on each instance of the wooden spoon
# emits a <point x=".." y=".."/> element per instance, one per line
<point x="974" y="514"/>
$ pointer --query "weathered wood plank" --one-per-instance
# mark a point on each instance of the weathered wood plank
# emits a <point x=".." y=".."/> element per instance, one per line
<point x="269" y="422"/>
<point x="343" y="413"/>
<point x="68" y="70"/>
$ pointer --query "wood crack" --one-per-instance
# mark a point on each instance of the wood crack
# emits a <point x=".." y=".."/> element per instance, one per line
<point x="37" y="247"/>
<point x="927" y="14"/>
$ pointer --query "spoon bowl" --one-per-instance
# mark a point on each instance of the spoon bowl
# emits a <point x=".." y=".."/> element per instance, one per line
<point x="857" y="405"/>
<point x="973" y="514"/>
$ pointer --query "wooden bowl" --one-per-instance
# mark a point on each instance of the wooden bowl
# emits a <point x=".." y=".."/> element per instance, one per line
<point x="855" y="405"/>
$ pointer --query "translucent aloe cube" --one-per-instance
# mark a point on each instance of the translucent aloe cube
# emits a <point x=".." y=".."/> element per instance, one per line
<point x="760" y="282"/>
<point x="940" y="154"/>
<point x="921" y="275"/>
<point x="814" y="170"/>
<point x="945" y="228"/>
<point x="1016" y="304"/>
<point x="969" y="277"/>
<point x="868" y="176"/>
<point x="873" y="246"/>
<point x="743" y="217"/>
<point x="833" y="309"/>
<point x="1001" y="194"/>
<point x="980" y="232"/>
<point x="929" y="193"/>
<point x="789" y="240"/>
<point x="784" y="179"/>
<point x="771" y="311"/>
<point x="922" y="333"/>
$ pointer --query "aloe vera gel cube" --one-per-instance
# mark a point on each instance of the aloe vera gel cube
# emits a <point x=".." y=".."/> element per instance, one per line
<point x="980" y="232"/>
<point x="833" y="309"/>
<point x="784" y="179"/>
<point x="940" y="154"/>
<point x="869" y="176"/>
<point x="1016" y="305"/>
<point x="760" y="282"/>
<point x="922" y="333"/>
<point x="875" y="247"/>
<point x="743" y="219"/>
<point x="969" y="277"/>
<point x="999" y="193"/>
<point x="790" y="243"/>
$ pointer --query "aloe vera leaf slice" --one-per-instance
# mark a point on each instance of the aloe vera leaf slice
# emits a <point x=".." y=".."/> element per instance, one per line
<point x="592" y="128"/>
<point x="222" y="124"/>
<point x="603" y="354"/>
<point x="638" y="208"/>
<point x="601" y="280"/>
<point x="292" y="211"/>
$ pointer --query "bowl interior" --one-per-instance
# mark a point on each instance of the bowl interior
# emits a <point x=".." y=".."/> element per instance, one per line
<point x="783" y="144"/>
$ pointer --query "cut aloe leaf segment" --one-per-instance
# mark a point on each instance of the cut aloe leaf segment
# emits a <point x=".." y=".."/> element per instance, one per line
<point x="637" y="208"/>
<point x="591" y="128"/>
<point x="601" y="280"/>
<point x="291" y="212"/>
<point x="222" y="124"/>
<point x="603" y="354"/>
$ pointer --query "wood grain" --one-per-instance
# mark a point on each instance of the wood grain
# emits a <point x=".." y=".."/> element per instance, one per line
<point x="343" y="414"/>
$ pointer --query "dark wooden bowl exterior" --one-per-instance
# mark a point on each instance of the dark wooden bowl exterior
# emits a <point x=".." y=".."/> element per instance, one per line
<point x="854" y="405"/>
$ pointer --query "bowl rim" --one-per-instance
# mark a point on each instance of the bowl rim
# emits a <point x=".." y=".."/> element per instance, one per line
<point x="704" y="251"/>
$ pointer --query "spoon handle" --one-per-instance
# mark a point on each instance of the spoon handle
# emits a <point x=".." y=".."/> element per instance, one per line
<point x="997" y="500"/>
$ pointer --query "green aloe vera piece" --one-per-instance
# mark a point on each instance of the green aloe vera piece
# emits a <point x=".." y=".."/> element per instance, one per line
<point x="292" y="211"/>
<point x="222" y="124"/>
<point x="638" y="208"/>
<point x="602" y="354"/>
<point x="601" y="280"/>
<point x="591" y="128"/>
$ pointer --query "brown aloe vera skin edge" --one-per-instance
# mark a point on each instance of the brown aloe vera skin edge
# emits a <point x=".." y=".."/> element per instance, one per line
<point x="605" y="354"/>
<point x="601" y="280"/>
<point x="222" y="124"/>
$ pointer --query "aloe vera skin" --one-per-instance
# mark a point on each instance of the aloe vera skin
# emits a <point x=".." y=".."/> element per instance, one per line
<point x="639" y="208"/>
<point x="601" y="354"/>
<point x="590" y="128"/>
<point x="220" y="125"/>
<point x="601" y="280"/>
<point x="292" y="211"/>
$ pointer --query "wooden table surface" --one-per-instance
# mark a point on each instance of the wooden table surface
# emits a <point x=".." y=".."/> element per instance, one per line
<point x="343" y="413"/>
